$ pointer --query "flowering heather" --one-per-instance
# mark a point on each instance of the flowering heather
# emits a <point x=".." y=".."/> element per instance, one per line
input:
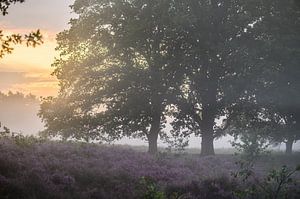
<point x="76" y="170"/>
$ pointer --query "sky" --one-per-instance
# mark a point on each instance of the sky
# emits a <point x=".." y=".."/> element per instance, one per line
<point x="28" y="70"/>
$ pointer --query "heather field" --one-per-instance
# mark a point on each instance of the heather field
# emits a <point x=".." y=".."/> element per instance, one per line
<point x="36" y="169"/>
<point x="173" y="73"/>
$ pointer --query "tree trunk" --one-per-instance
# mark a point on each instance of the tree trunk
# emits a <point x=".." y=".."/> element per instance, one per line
<point x="152" y="141"/>
<point x="153" y="135"/>
<point x="209" y="110"/>
<point x="289" y="146"/>
<point x="207" y="144"/>
<point x="207" y="129"/>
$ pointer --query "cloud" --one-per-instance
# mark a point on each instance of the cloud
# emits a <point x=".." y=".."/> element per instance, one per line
<point x="40" y="84"/>
<point x="9" y="78"/>
<point x="27" y="58"/>
<point x="28" y="69"/>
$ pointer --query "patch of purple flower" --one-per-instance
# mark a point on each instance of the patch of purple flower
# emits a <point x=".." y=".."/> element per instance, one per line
<point x="77" y="170"/>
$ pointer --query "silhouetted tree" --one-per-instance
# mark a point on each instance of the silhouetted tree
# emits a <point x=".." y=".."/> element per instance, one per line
<point x="276" y="107"/>
<point x="125" y="65"/>
<point x="223" y="65"/>
<point x="119" y="62"/>
<point x="283" y="94"/>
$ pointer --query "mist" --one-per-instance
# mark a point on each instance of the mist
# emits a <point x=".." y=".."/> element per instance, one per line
<point x="19" y="113"/>
<point x="149" y="99"/>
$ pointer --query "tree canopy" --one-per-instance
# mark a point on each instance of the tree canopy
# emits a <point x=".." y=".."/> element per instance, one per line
<point x="275" y="110"/>
<point x="223" y="63"/>
<point x="124" y="66"/>
<point x="122" y="59"/>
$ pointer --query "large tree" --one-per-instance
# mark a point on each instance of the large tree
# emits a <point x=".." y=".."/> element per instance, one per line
<point x="119" y="63"/>
<point x="237" y="50"/>
<point x="223" y="65"/>
<point x="275" y="108"/>
<point x="283" y="96"/>
<point x="125" y="64"/>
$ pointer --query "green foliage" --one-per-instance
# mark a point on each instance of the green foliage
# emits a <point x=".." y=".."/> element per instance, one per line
<point x="20" y="139"/>
<point x="32" y="39"/>
<point x="4" y="4"/>
<point x="6" y="41"/>
<point x="118" y="66"/>
<point x="5" y="132"/>
<point x="278" y="184"/>
<point x="151" y="189"/>
<point x="125" y="66"/>
<point x="26" y="141"/>
<point x="251" y="147"/>
<point x="221" y="66"/>
<point x="176" y="143"/>
<point x="277" y="96"/>
<point x="123" y="63"/>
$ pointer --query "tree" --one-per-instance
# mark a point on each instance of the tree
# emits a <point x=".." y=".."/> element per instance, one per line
<point x="118" y="66"/>
<point x="286" y="84"/>
<point x="6" y="41"/>
<point x="280" y="93"/>
<point x="125" y="64"/>
<point x="275" y="108"/>
<point x="223" y="65"/>
<point x="286" y="129"/>
<point x="238" y="59"/>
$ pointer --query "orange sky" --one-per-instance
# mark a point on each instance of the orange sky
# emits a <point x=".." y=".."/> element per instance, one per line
<point x="28" y="69"/>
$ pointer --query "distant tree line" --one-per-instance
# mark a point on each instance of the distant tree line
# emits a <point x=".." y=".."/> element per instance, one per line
<point x="18" y="113"/>
<point x="126" y="66"/>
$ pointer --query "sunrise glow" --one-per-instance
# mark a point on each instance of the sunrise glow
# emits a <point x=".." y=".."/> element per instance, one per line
<point x="28" y="70"/>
